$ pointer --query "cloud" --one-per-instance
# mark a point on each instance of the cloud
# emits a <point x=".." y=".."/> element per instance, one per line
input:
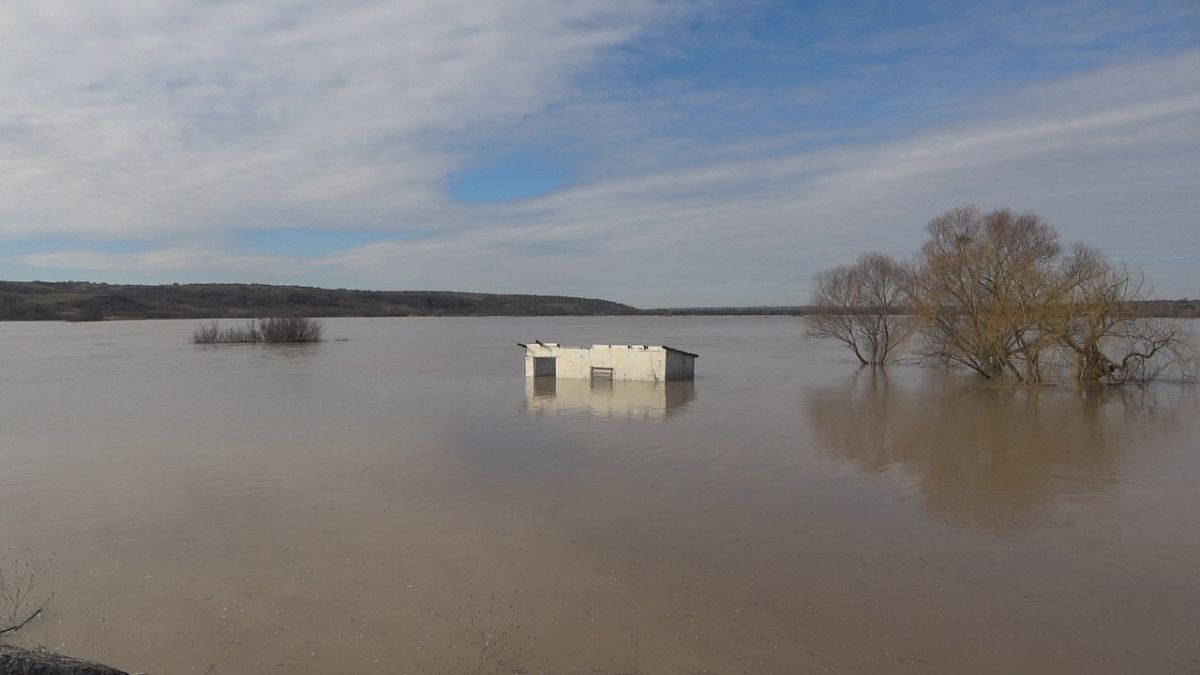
<point x="145" y="118"/>
<point x="167" y="259"/>
<point x="184" y="125"/>
<point x="1115" y="168"/>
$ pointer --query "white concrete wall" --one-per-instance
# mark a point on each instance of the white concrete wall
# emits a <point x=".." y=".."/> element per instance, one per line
<point x="570" y="362"/>
<point x="627" y="362"/>
<point x="631" y="362"/>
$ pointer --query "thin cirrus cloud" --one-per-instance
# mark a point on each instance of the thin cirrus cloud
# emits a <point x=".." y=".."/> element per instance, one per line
<point x="136" y="119"/>
<point x="185" y="128"/>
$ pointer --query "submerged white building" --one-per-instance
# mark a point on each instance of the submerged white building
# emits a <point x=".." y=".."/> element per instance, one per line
<point x="655" y="363"/>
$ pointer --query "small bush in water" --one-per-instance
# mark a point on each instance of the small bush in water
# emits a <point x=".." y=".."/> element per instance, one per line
<point x="274" y="330"/>
<point x="290" y="329"/>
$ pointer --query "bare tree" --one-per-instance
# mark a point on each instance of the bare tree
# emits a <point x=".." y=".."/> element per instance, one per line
<point x="1100" y="331"/>
<point x="996" y="293"/>
<point x="980" y="286"/>
<point x="861" y="306"/>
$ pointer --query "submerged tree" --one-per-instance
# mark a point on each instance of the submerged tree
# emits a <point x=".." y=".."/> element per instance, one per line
<point x="981" y="286"/>
<point x="996" y="292"/>
<point x="861" y="306"/>
<point x="1099" y="330"/>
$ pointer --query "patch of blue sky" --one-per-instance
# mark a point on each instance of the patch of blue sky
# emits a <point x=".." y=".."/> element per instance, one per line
<point x="874" y="69"/>
<point x="511" y="177"/>
<point x="827" y="72"/>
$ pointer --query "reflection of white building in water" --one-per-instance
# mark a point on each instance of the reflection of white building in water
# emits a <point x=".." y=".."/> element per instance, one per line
<point x="631" y="399"/>
<point x="654" y="363"/>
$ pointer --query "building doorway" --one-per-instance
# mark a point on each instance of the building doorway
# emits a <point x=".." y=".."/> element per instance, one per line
<point x="543" y="366"/>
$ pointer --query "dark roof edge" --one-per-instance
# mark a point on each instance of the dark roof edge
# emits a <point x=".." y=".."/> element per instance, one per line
<point x="667" y="347"/>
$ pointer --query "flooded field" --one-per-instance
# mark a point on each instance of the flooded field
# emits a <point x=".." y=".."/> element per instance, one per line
<point x="405" y="501"/>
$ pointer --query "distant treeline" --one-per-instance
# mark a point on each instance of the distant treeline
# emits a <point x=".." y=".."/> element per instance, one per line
<point x="733" y="311"/>
<point x="1168" y="309"/>
<point x="87" y="301"/>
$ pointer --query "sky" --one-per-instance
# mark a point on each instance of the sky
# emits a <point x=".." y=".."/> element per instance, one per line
<point x="652" y="152"/>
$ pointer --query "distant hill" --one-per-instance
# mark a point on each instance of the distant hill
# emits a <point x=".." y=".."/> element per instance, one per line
<point x="85" y="301"/>
<point x="1178" y="309"/>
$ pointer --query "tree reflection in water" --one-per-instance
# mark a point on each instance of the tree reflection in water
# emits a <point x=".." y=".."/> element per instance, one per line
<point x="986" y="456"/>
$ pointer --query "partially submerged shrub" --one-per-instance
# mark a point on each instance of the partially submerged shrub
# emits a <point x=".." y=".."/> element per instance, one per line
<point x="289" y="329"/>
<point x="213" y="333"/>
<point x="278" y="330"/>
<point x="207" y="334"/>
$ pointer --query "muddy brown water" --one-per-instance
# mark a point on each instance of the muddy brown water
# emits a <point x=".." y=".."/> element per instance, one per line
<point x="404" y="501"/>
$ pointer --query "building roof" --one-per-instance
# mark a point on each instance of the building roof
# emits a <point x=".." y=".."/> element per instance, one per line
<point x="674" y="349"/>
<point x="555" y="345"/>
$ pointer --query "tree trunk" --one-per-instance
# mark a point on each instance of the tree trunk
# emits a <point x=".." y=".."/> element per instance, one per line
<point x="1092" y="365"/>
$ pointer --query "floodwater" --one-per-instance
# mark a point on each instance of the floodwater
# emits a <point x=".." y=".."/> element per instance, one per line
<point x="405" y="501"/>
